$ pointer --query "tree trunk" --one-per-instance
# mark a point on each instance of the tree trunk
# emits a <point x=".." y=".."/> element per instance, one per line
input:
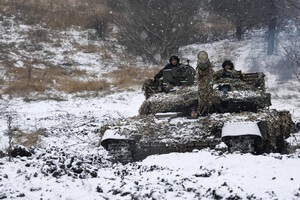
<point x="272" y="28"/>
<point x="271" y="36"/>
<point x="238" y="30"/>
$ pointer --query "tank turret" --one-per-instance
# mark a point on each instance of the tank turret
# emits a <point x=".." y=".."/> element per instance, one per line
<point x="245" y="92"/>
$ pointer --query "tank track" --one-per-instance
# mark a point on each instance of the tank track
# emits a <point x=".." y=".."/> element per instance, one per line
<point x="243" y="144"/>
<point x="120" y="151"/>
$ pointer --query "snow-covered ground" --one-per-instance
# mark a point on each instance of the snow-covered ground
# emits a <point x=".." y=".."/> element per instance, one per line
<point x="72" y="128"/>
<point x="69" y="164"/>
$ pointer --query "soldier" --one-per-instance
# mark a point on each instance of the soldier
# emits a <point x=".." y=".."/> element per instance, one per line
<point x="206" y="94"/>
<point x="174" y="74"/>
<point x="228" y="71"/>
<point x="174" y="61"/>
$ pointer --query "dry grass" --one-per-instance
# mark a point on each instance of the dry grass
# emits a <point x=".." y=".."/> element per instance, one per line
<point x="105" y="53"/>
<point x="78" y="72"/>
<point x="1" y="82"/>
<point x="39" y="80"/>
<point x="131" y="76"/>
<point x="43" y="98"/>
<point x="73" y="86"/>
<point x="57" y="72"/>
<point x="22" y="88"/>
<point x="29" y="139"/>
<point x="91" y="48"/>
<point x="39" y="35"/>
<point x="46" y="75"/>
<point x="30" y="68"/>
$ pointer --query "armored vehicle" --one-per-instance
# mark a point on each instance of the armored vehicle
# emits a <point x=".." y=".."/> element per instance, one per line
<point x="239" y="117"/>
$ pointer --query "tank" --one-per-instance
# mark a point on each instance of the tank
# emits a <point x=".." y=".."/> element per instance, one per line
<point x="239" y="117"/>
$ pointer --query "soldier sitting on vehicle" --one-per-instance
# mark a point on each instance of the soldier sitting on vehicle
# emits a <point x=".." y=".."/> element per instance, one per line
<point x="193" y="114"/>
<point x="228" y="71"/>
<point x="174" y="62"/>
<point x="173" y="74"/>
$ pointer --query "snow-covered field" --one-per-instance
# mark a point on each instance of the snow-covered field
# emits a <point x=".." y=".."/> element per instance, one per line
<point x="69" y="164"/>
<point x="72" y="128"/>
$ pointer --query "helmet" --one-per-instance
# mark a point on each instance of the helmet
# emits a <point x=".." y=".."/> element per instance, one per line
<point x="228" y="62"/>
<point x="202" y="57"/>
<point x="174" y="57"/>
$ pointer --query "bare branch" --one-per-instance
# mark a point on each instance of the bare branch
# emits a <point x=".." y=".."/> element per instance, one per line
<point x="293" y="3"/>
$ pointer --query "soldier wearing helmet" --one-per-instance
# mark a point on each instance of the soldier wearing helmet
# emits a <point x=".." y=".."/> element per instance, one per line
<point x="228" y="71"/>
<point x="174" y="61"/>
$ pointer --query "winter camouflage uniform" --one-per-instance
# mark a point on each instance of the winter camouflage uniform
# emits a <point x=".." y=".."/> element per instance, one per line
<point x="206" y="93"/>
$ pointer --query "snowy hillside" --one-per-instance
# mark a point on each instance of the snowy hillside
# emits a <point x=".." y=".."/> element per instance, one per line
<point x="68" y="163"/>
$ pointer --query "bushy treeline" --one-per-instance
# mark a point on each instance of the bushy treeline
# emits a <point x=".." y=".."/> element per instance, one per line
<point x="154" y="29"/>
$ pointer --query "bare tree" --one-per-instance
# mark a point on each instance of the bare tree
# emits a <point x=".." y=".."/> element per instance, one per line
<point x="294" y="57"/>
<point x="293" y="9"/>
<point x="292" y="50"/>
<point x="10" y="135"/>
<point x="243" y="14"/>
<point x="96" y="16"/>
<point x="272" y="20"/>
<point x="155" y="29"/>
<point x="274" y="17"/>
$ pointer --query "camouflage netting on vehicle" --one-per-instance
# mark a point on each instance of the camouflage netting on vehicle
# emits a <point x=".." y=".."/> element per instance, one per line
<point x="185" y="99"/>
<point x="151" y="87"/>
<point x="246" y="93"/>
<point x="237" y="101"/>
<point x="236" y="84"/>
<point x="167" y="130"/>
<point x="245" y="81"/>
<point x="275" y="128"/>
<point x="181" y="100"/>
<point x="155" y="135"/>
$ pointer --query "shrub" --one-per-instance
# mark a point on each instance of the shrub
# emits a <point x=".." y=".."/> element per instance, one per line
<point x="21" y="88"/>
<point x="28" y="139"/>
<point x="73" y="86"/>
<point x="131" y="76"/>
<point x="38" y="80"/>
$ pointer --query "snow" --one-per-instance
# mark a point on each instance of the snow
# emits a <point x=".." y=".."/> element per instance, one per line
<point x="112" y="134"/>
<point x="245" y="175"/>
<point x="169" y="114"/>
<point x="74" y="112"/>
<point x="72" y="130"/>
<point x="240" y="128"/>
